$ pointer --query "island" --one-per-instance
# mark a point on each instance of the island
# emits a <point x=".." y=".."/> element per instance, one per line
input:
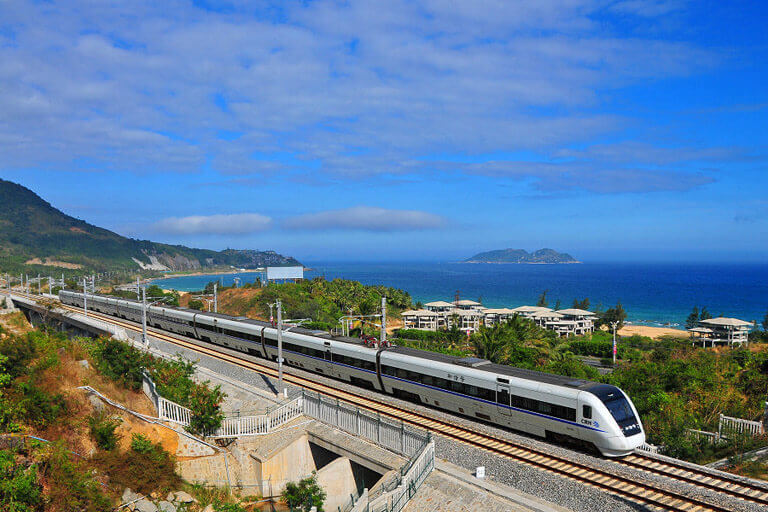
<point x="543" y="256"/>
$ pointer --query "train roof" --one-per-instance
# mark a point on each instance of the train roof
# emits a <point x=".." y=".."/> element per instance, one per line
<point x="498" y="369"/>
<point x="466" y="362"/>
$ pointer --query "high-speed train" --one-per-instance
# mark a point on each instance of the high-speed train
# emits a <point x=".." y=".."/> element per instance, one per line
<point x="550" y="406"/>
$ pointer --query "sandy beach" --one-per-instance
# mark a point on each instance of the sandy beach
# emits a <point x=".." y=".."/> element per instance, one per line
<point x="651" y="332"/>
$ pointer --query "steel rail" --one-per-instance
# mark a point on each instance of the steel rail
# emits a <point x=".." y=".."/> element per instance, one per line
<point x="717" y="482"/>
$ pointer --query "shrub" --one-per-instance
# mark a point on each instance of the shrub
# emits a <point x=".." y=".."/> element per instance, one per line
<point x="173" y="378"/>
<point x="38" y="407"/>
<point x="305" y="494"/>
<point x="196" y="304"/>
<point x="20" y="490"/>
<point x="70" y="484"/>
<point x="147" y="469"/>
<point x="119" y="361"/>
<point x="205" y="405"/>
<point x="19" y="352"/>
<point x="103" y="430"/>
<point x="141" y="443"/>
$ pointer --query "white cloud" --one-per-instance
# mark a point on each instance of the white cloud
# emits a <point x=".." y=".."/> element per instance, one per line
<point x="367" y="218"/>
<point x="235" y="224"/>
<point x="125" y="86"/>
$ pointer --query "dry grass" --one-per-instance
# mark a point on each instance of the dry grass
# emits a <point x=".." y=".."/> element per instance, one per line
<point x="15" y="323"/>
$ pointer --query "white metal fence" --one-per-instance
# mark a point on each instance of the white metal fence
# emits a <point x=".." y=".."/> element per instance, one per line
<point x="396" y="499"/>
<point x="650" y="448"/>
<point x="741" y="426"/>
<point x="235" y="426"/>
<point x="259" y="424"/>
<point x="166" y="410"/>
<point x="394" y="436"/>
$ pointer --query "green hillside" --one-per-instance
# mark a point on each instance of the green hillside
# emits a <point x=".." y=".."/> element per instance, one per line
<point x="35" y="236"/>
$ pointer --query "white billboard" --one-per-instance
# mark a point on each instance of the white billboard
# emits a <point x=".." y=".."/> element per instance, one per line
<point x="285" y="273"/>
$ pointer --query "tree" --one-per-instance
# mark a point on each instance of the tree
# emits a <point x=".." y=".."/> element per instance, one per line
<point x="581" y="304"/>
<point x="542" y="299"/>
<point x="765" y="322"/>
<point x="490" y="343"/>
<point x="705" y="315"/>
<point x="693" y="319"/>
<point x="196" y="304"/>
<point x="615" y="314"/>
<point x="305" y="494"/>
<point x="557" y="305"/>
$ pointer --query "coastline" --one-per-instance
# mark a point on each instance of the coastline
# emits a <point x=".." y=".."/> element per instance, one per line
<point x="211" y="273"/>
<point x="651" y="332"/>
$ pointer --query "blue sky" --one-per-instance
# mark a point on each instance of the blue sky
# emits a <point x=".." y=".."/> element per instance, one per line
<point x="397" y="130"/>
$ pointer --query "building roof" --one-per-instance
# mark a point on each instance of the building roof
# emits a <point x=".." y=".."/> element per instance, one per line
<point x="467" y="312"/>
<point x="530" y="309"/>
<point x="575" y="312"/>
<point x="418" y="312"/>
<point x="499" y="311"/>
<point x="439" y="304"/>
<point x="726" y="322"/>
<point x="703" y="330"/>
<point x="465" y="302"/>
<point x="547" y="314"/>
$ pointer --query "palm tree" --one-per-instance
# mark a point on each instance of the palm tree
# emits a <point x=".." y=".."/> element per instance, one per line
<point x="490" y="343"/>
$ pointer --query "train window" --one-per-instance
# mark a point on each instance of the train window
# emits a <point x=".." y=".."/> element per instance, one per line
<point x="502" y="396"/>
<point x="387" y="370"/>
<point x="586" y="412"/>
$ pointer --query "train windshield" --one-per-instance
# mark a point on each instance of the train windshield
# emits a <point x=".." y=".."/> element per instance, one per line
<point x="620" y="410"/>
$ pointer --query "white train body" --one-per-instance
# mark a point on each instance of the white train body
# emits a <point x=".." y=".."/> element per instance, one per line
<point x="538" y="403"/>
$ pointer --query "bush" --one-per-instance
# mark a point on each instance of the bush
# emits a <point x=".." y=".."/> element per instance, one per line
<point x="173" y="378"/>
<point x="19" y="352"/>
<point x="70" y="484"/>
<point x="103" y="431"/>
<point x="146" y="467"/>
<point x="119" y="361"/>
<point x="196" y="304"/>
<point x="141" y="443"/>
<point x="38" y="407"/>
<point x="205" y="405"/>
<point x="305" y="494"/>
<point x="20" y="490"/>
<point x="595" y="348"/>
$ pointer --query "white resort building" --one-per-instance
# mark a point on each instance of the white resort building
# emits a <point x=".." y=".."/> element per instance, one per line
<point x="469" y="315"/>
<point x="721" y="330"/>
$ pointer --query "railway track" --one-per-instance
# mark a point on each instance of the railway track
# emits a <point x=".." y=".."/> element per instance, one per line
<point x="717" y="482"/>
<point x="645" y="493"/>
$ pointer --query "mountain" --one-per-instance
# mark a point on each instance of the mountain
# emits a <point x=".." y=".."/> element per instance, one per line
<point x="35" y="234"/>
<point x="521" y="256"/>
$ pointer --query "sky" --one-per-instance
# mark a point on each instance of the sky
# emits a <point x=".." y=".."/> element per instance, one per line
<point x="398" y="130"/>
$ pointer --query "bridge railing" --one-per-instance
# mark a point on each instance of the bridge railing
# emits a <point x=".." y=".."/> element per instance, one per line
<point x="237" y="426"/>
<point x="393" y="435"/>
<point x="728" y="425"/>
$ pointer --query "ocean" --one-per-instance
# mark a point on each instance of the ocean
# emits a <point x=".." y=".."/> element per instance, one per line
<point x="652" y="293"/>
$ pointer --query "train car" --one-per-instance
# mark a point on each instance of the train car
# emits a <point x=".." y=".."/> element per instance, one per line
<point x="558" y="408"/>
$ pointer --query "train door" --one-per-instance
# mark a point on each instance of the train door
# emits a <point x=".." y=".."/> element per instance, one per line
<point x="326" y="365"/>
<point x="503" y="396"/>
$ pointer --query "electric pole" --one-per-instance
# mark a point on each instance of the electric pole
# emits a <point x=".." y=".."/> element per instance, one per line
<point x="144" y="315"/>
<point x="614" y="324"/>
<point x="215" y="298"/>
<point x="383" y="337"/>
<point x="85" y="295"/>
<point x="280" y="389"/>
<point x="137" y="288"/>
